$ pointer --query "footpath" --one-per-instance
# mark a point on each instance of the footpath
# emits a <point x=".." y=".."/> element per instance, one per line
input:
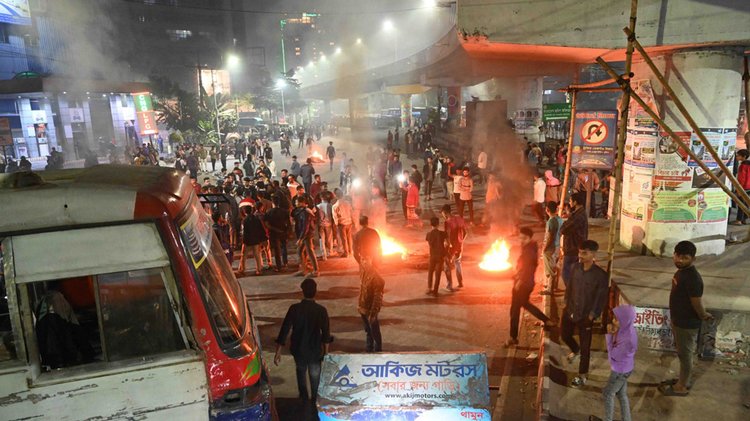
<point x="721" y="377"/>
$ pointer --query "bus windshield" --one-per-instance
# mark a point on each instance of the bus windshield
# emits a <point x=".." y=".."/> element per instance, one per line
<point x="220" y="290"/>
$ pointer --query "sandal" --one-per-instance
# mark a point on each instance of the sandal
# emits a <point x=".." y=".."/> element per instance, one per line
<point x="668" y="390"/>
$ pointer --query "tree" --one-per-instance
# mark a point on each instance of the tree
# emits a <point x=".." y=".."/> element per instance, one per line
<point x="175" y="107"/>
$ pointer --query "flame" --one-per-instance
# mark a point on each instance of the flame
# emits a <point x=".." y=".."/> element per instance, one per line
<point x="390" y="246"/>
<point x="497" y="259"/>
<point x="316" y="156"/>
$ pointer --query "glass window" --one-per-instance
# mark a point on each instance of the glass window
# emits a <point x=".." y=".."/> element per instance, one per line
<point x="7" y="344"/>
<point x="220" y="290"/>
<point x="102" y="318"/>
<point x="137" y="318"/>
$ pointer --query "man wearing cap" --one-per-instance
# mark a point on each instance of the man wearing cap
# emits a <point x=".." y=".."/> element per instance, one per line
<point x="311" y="335"/>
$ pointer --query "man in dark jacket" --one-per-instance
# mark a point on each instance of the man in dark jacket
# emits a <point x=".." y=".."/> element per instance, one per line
<point x="311" y="335"/>
<point x="253" y="236"/>
<point x="524" y="284"/>
<point x="370" y="303"/>
<point x="367" y="243"/>
<point x="277" y="221"/>
<point x="585" y="297"/>
<point x="575" y="230"/>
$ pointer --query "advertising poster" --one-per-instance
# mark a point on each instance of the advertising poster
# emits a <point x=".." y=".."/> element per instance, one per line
<point x="556" y="112"/>
<point x="654" y="328"/>
<point x="594" y="140"/>
<point x="713" y="206"/>
<point x="404" y="386"/>
<point x="6" y="135"/>
<point x="701" y="180"/>
<point x="672" y="171"/>
<point x="527" y="119"/>
<point x="673" y="207"/>
<point x="722" y="140"/>
<point x="15" y="12"/>
<point x="638" y="119"/>
<point x="636" y="192"/>
<point x="640" y="148"/>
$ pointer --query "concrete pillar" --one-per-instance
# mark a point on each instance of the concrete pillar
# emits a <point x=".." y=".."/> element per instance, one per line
<point x="665" y="195"/>
<point x="405" y="110"/>
<point x="454" y="105"/>
<point x="528" y="100"/>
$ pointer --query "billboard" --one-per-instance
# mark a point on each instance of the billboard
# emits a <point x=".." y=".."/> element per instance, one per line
<point x="424" y="386"/>
<point x="216" y="78"/>
<point x="556" y="112"/>
<point x="15" y="12"/>
<point x="144" y="110"/>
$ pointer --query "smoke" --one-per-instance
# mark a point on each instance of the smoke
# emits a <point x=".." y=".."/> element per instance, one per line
<point x="496" y="137"/>
<point x="81" y="41"/>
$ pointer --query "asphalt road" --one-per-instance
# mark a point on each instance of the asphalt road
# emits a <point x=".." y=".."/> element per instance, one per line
<point x="475" y="318"/>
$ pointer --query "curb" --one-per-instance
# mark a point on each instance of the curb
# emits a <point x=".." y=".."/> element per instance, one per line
<point x="543" y="381"/>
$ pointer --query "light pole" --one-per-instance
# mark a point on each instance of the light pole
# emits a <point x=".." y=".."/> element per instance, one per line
<point x="216" y="105"/>
<point x="389" y="27"/>
<point x="281" y="84"/>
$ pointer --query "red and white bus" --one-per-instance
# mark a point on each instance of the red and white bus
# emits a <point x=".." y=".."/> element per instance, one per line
<point x="121" y="303"/>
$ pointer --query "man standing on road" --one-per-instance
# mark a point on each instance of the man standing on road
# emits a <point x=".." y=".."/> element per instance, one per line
<point x="277" y="220"/>
<point x="575" y="230"/>
<point x="429" y="177"/>
<point x="307" y="171"/>
<point x="524" y="284"/>
<point x="687" y="313"/>
<point x="342" y="218"/>
<point x="455" y="229"/>
<point x="538" y="206"/>
<point x="585" y="297"/>
<point x="551" y="248"/>
<point x="367" y="252"/>
<point x="743" y="176"/>
<point x="311" y="335"/>
<point x="304" y="229"/>
<point x="330" y="153"/>
<point x="294" y="169"/>
<point x="367" y="244"/>
<point x="437" y="241"/>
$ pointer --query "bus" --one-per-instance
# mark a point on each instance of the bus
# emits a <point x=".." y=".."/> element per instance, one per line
<point x="118" y="302"/>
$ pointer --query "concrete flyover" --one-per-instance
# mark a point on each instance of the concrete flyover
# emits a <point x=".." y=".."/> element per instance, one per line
<point x="510" y="38"/>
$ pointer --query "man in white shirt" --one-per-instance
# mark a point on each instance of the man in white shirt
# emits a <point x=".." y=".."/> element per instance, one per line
<point x="465" y="186"/>
<point x="342" y="218"/>
<point x="540" y="186"/>
<point x="292" y="186"/>
<point x="482" y="165"/>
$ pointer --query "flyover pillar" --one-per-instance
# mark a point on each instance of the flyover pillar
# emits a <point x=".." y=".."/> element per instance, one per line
<point x="666" y="197"/>
<point x="454" y="106"/>
<point x="405" y="110"/>
<point x="529" y="92"/>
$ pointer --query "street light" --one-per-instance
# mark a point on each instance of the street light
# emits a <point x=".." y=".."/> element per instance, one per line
<point x="389" y="27"/>
<point x="338" y="50"/>
<point x="359" y="41"/>
<point x="429" y="4"/>
<point x="233" y="61"/>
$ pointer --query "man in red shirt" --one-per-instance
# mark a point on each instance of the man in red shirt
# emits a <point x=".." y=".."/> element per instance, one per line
<point x="455" y="228"/>
<point x="743" y="176"/>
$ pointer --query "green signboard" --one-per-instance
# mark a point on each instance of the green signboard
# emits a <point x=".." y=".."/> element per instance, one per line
<point x="555" y="112"/>
<point x="142" y="102"/>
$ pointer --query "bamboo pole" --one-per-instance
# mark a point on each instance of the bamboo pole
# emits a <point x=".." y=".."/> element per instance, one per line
<point x="659" y="76"/>
<point x="594" y="89"/>
<point x="587" y="86"/>
<point x="569" y="155"/>
<point x="673" y="135"/>
<point x="622" y="135"/>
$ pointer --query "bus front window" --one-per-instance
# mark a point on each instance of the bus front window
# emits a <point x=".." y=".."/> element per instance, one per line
<point x="220" y="290"/>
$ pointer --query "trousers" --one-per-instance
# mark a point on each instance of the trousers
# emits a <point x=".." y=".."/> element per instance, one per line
<point x="567" y="329"/>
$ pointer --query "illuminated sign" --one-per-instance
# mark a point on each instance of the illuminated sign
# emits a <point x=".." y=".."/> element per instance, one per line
<point x="144" y="109"/>
<point x="15" y="12"/>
